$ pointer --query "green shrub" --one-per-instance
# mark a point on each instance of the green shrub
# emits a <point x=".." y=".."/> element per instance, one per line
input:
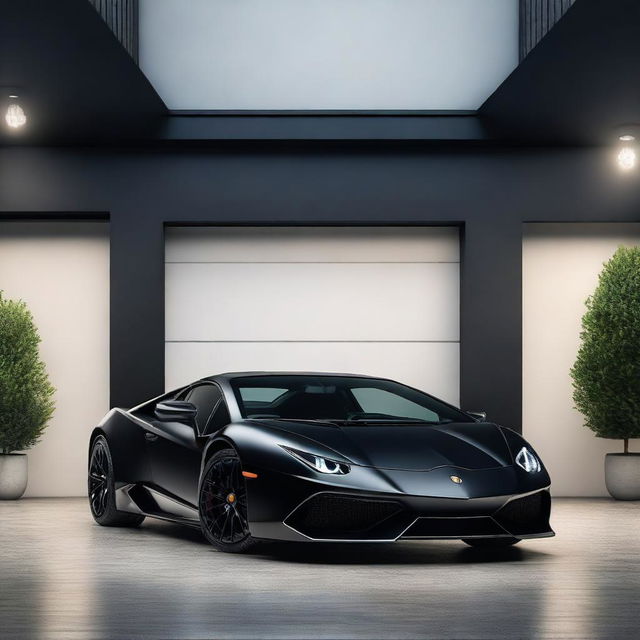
<point x="26" y="403"/>
<point x="606" y="374"/>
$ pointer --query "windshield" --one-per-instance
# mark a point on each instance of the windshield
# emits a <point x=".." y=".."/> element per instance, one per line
<point x="340" y="399"/>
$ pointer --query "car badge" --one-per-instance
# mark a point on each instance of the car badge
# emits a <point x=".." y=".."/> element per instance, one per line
<point x="456" y="479"/>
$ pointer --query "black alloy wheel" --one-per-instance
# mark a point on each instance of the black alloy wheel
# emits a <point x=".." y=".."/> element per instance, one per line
<point x="98" y="479"/>
<point x="223" y="503"/>
<point x="102" y="497"/>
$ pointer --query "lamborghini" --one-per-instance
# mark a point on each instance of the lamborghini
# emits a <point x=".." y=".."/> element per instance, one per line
<point x="316" y="457"/>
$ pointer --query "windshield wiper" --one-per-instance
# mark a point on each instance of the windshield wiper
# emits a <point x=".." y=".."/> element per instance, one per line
<point x="356" y="422"/>
<point x="361" y="422"/>
<point x="401" y="421"/>
<point x="311" y="420"/>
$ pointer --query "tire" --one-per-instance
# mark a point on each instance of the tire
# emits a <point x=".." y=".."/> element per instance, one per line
<point x="491" y="543"/>
<point x="101" y="489"/>
<point x="222" y="503"/>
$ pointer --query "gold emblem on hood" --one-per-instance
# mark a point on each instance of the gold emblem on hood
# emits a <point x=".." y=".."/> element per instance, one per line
<point x="456" y="479"/>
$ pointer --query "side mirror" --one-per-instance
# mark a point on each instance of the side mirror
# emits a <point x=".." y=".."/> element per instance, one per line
<point x="480" y="416"/>
<point x="176" y="411"/>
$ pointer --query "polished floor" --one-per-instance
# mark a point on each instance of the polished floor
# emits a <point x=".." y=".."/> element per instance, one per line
<point x="62" y="576"/>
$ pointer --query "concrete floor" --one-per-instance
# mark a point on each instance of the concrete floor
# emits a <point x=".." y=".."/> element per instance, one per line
<point x="62" y="576"/>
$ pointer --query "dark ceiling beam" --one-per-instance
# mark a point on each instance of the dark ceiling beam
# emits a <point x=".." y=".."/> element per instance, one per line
<point x="455" y="128"/>
<point x="121" y="17"/>
<point x="537" y="17"/>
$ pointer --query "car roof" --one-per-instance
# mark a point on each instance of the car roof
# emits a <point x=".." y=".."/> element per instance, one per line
<point x="246" y="374"/>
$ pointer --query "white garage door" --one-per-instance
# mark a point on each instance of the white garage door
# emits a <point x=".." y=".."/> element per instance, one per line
<point x="379" y="301"/>
<point x="61" y="270"/>
<point x="561" y="263"/>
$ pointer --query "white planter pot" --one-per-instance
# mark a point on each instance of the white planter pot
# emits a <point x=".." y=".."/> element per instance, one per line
<point x="13" y="475"/>
<point x="622" y="475"/>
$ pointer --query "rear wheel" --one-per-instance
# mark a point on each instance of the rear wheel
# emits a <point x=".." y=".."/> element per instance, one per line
<point x="223" y="503"/>
<point x="102" y="497"/>
<point x="491" y="543"/>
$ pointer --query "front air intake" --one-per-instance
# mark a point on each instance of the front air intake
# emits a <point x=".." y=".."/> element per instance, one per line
<point x="527" y="515"/>
<point x="335" y="516"/>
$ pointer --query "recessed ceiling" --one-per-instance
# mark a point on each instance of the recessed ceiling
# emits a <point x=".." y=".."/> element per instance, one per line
<point x="327" y="54"/>
<point x="78" y="85"/>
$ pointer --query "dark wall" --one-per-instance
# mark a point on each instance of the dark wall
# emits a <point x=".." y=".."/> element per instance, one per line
<point x="488" y="193"/>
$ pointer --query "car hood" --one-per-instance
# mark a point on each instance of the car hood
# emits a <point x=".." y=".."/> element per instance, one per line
<point x="408" y="447"/>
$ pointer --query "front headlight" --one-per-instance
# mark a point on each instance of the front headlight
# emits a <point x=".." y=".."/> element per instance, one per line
<point x="319" y="463"/>
<point x="527" y="461"/>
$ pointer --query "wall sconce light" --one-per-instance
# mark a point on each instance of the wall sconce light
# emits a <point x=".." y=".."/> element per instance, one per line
<point x="627" y="154"/>
<point x="15" y="116"/>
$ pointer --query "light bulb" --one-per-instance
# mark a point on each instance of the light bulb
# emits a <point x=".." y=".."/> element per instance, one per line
<point x="15" y="116"/>
<point x="626" y="158"/>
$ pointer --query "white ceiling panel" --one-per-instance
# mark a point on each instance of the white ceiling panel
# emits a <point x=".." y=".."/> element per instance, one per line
<point x="327" y="54"/>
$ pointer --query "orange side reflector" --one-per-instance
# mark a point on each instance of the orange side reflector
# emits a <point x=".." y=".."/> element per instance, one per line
<point x="248" y="474"/>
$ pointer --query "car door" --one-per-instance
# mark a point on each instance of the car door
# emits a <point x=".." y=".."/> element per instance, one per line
<point x="177" y="451"/>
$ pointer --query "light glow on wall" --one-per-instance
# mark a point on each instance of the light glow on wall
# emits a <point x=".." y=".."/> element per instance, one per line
<point x="15" y="116"/>
<point x="627" y="154"/>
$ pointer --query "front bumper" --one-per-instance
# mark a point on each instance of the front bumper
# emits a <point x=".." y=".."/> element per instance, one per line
<point x="292" y="508"/>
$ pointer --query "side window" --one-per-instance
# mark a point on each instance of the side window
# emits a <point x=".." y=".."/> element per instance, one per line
<point x="219" y="419"/>
<point x="206" y="397"/>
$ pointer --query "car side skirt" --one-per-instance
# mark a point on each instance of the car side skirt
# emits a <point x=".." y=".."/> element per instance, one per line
<point x="155" y="503"/>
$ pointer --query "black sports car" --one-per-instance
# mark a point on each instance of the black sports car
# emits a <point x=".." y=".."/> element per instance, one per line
<point x="316" y="457"/>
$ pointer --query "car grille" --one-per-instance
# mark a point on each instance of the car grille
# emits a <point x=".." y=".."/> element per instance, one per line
<point x="330" y="515"/>
<point x="527" y="515"/>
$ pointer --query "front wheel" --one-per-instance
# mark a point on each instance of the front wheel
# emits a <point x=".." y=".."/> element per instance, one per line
<point x="491" y="543"/>
<point x="101" y="489"/>
<point x="223" y="503"/>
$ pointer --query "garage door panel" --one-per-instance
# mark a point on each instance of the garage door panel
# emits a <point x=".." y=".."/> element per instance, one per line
<point x="312" y="301"/>
<point x="377" y="300"/>
<point x="312" y="244"/>
<point x="433" y="367"/>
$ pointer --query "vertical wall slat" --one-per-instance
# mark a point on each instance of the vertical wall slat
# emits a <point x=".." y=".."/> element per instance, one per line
<point x="537" y="17"/>
<point x="122" y="18"/>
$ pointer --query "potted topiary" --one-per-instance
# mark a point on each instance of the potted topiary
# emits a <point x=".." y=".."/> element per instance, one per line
<point x="26" y="403"/>
<point x="606" y="374"/>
